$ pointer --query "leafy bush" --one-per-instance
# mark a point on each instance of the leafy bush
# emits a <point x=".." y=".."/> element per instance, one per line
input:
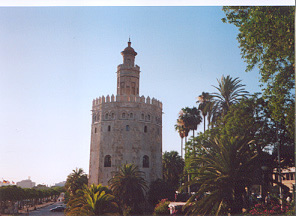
<point x="272" y="209"/>
<point x="162" y="208"/>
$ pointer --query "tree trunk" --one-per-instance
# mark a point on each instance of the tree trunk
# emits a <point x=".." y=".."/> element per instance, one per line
<point x="193" y="145"/>
<point x="181" y="147"/>
<point x="185" y="146"/>
<point x="188" y="183"/>
<point x="204" y="123"/>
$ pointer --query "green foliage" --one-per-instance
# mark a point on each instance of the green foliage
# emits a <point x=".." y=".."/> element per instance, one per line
<point x="205" y="106"/>
<point x="249" y="118"/>
<point x="190" y="117"/>
<point x="60" y="189"/>
<point x="252" y="118"/>
<point x="230" y="91"/>
<point x="158" y="190"/>
<point x="223" y="176"/>
<point x="128" y="185"/>
<point x="266" y="38"/>
<point x="75" y="181"/>
<point x="162" y="208"/>
<point x="172" y="168"/>
<point x="93" y="200"/>
<point x="195" y="148"/>
<point x="13" y="194"/>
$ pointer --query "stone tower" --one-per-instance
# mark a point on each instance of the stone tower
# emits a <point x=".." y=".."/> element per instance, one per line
<point x="126" y="128"/>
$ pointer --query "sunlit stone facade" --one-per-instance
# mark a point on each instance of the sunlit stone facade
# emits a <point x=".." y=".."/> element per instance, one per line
<point x="126" y="128"/>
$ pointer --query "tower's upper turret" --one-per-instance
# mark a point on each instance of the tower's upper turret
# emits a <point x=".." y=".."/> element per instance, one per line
<point x="129" y="55"/>
<point x="128" y="74"/>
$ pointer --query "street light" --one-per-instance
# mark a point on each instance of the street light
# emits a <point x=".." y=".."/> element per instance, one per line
<point x="263" y="194"/>
<point x="279" y="165"/>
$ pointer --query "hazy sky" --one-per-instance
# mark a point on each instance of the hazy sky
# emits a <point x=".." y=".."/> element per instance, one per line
<point x="55" y="60"/>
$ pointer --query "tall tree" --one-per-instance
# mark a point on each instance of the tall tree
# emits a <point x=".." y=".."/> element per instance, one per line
<point x="93" y="200"/>
<point x="213" y="113"/>
<point x="75" y="181"/>
<point x="229" y="92"/>
<point x="129" y="186"/>
<point x="191" y="118"/>
<point x="266" y="38"/>
<point x="183" y="132"/>
<point x="224" y="175"/>
<point x="173" y="166"/>
<point x="204" y="106"/>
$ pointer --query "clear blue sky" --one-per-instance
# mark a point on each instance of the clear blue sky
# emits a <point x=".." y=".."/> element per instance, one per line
<point x="55" y="60"/>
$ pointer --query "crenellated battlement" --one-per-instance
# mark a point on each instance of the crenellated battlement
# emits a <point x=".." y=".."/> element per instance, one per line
<point x="123" y="66"/>
<point x="126" y="98"/>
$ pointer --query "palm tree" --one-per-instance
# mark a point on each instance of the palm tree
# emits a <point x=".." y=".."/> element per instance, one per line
<point x="204" y="101"/>
<point x="173" y="166"/>
<point x="213" y="113"/>
<point x="93" y="200"/>
<point x="190" y="117"/>
<point x="183" y="132"/>
<point x="75" y="181"/>
<point x="129" y="186"/>
<point x="226" y="171"/>
<point x="230" y="92"/>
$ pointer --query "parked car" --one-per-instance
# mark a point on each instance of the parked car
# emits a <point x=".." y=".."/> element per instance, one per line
<point x="58" y="209"/>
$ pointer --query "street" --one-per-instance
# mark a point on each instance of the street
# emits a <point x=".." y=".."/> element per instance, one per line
<point x="46" y="210"/>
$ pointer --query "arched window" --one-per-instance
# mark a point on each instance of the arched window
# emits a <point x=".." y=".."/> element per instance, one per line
<point x="131" y="115"/>
<point x="113" y="116"/>
<point x="107" y="161"/>
<point x="106" y="116"/>
<point x="145" y="161"/>
<point x="145" y="129"/>
<point x="142" y="116"/>
<point x="127" y="128"/>
<point x="109" y="128"/>
<point x="148" y="117"/>
<point x="95" y="130"/>
<point x="123" y="115"/>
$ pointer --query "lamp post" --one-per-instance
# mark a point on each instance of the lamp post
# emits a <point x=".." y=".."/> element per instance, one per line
<point x="279" y="166"/>
<point x="264" y="170"/>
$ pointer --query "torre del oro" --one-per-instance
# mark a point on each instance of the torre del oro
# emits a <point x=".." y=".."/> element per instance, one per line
<point x="126" y="128"/>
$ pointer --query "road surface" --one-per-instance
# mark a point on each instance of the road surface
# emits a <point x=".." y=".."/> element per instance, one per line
<point x="45" y="211"/>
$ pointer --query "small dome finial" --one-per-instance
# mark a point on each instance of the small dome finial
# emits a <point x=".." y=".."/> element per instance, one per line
<point x="129" y="41"/>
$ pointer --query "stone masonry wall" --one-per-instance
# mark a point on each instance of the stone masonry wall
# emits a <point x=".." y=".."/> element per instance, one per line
<point x="127" y="128"/>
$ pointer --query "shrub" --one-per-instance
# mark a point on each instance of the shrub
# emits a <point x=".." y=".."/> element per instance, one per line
<point x="162" y="208"/>
<point x="272" y="209"/>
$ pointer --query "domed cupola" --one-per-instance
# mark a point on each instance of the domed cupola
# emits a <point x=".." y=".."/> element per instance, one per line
<point x="129" y="50"/>
<point x="128" y="74"/>
<point x="129" y="55"/>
